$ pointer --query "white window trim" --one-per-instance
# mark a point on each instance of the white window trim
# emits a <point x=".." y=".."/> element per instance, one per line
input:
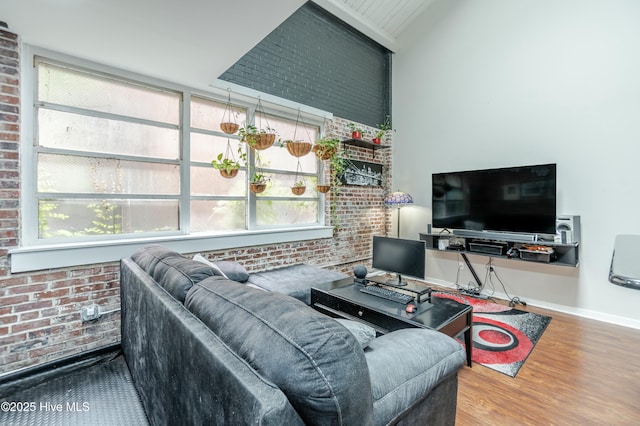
<point x="65" y="255"/>
<point x="32" y="257"/>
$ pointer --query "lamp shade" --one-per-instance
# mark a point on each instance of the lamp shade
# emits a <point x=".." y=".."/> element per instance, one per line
<point x="397" y="199"/>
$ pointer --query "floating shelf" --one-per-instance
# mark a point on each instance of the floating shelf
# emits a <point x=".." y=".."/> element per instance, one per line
<point x="365" y="144"/>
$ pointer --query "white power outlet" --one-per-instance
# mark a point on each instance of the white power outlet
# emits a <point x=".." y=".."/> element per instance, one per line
<point x="90" y="313"/>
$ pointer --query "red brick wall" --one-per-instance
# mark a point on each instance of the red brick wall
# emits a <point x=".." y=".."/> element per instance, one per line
<point x="40" y="311"/>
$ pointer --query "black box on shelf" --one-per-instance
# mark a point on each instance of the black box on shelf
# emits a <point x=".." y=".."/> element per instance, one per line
<point x="488" y="248"/>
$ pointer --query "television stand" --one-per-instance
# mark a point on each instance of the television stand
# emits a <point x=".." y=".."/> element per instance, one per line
<point x="564" y="254"/>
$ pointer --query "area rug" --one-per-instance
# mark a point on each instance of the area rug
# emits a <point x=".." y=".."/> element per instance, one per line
<point x="503" y="337"/>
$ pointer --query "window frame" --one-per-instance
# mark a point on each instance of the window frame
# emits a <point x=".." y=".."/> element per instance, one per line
<point x="35" y="253"/>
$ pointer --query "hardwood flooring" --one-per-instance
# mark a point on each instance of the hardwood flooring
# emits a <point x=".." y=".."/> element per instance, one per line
<point x="581" y="372"/>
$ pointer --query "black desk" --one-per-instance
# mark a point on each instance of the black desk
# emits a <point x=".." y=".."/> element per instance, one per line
<point x="343" y="299"/>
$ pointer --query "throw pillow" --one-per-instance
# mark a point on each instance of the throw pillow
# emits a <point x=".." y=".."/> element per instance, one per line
<point x="363" y="333"/>
<point x="198" y="257"/>
<point x="229" y="269"/>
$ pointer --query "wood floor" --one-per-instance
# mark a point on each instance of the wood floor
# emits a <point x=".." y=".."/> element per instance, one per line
<point x="581" y="372"/>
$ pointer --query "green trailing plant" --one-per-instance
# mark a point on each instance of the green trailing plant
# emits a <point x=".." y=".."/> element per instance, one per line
<point x="226" y="161"/>
<point x="330" y="149"/>
<point x="383" y="128"/>
<point x="225" y="164"/>
<point x="252" y="135"/>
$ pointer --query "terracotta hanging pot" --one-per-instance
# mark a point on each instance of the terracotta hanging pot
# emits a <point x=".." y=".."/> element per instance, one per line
<point x="261" y="141"/>
<point x="298" y="149"/>
<point x="229" y="174"/>
<point x="229" y="128"/>
<point x="323" y="188"/>
<point x="298" y="190"/>
<point x="257" y="187"/>
<point x="356" y="135"/>
<point x="324" y="152"/>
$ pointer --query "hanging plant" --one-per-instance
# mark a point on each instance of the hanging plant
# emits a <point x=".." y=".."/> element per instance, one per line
<point x="259" y="180"/>
<point x="299" y="188"/>
<point x="229" y="123"/>
<point x="299" y="185"/>
<point x="227" y="164"/>
<point x="323" y="188"/>
<point x="297" y="148"/>
<point x="326" y="148"/>
<point x="258" y="137"/>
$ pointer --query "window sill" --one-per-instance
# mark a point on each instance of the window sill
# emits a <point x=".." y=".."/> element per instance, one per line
<point x="36" y="258"/>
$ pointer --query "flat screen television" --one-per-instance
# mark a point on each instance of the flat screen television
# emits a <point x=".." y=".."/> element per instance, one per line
<point x="513" y="199"/>
<point x="399" y="256"/>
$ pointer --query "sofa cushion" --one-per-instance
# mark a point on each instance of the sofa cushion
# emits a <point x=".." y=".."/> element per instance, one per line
<point x="174" y="272"/>
<point x="363" y="333"/>
<point x="421" y="360"/>
<point x="227" y="268"/>
<point x="295" y="280"/>
<point x="314" y="360"/>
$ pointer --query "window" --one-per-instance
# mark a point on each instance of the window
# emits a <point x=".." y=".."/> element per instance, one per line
<point x="116" y="158"/>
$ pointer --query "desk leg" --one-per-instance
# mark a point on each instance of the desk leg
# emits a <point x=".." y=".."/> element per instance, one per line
<point x="468" y="342"/>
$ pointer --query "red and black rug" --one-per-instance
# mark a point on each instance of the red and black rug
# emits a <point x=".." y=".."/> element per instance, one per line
<point x="503" y="337"/>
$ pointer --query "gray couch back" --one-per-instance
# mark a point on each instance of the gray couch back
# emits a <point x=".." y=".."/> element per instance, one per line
<point x="315" y="361"/>
<point x="183" y="372"/>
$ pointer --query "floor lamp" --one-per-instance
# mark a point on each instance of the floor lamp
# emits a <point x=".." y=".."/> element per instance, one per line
<point x="398" y="199"/>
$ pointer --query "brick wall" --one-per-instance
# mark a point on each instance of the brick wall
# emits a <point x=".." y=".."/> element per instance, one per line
<point x="40" y="311"/>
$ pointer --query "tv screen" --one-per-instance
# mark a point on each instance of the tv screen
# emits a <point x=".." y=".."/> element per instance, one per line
<point x="402" y="257"/>
<point x="514" y="199"/>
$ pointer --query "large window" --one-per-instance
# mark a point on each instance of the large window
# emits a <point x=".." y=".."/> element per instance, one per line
<point x="117" y="157"/>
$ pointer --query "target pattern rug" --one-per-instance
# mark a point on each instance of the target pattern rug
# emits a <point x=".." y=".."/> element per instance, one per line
<point x="503" y="337"/>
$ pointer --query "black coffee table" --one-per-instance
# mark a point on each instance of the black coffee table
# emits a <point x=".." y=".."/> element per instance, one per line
<point x="343" y="299"/>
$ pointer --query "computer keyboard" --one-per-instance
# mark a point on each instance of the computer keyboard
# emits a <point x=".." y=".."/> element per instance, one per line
<point x="384" y="293"/>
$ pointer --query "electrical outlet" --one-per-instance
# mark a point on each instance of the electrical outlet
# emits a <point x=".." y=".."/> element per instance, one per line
<point x="90" y="313"/>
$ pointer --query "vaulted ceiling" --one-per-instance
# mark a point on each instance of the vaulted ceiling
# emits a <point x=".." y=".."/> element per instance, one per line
<point x="191" y="41"/>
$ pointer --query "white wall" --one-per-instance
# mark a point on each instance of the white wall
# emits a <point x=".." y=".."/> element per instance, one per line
<point x="499" y="83"/>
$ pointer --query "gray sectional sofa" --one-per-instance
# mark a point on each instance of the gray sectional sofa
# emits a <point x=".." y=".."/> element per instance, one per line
<point x="204" y="349"/>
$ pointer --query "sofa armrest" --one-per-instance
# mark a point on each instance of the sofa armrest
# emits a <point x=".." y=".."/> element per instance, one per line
<point x="406" y="365"/>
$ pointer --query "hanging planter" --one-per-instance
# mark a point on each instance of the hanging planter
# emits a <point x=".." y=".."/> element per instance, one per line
<point x="258" y="138"/>
<point x="299" y="188"/>
<point x="259" y="180"/>
<point x="323" y="188"/>
<point x="299" y="185"/>
<point x="229" y="174"/>
<point x="257" y="187"/>
<point x="228" y="124"/>
<point x="298" y="149"/>
<point x="229" y="128"/>
<point x="227" y="164"/>
<point x="326" y="148"/>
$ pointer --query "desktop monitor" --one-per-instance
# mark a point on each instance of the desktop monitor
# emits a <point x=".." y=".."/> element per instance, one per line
<point x="398" y="256"/>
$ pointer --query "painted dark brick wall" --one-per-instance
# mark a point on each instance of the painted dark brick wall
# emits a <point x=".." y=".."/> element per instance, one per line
<point x="318" y="60"/>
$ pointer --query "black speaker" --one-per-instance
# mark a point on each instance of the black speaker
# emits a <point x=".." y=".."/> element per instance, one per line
<point x="360" y="274"/>
<point x="568" y="229"/>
